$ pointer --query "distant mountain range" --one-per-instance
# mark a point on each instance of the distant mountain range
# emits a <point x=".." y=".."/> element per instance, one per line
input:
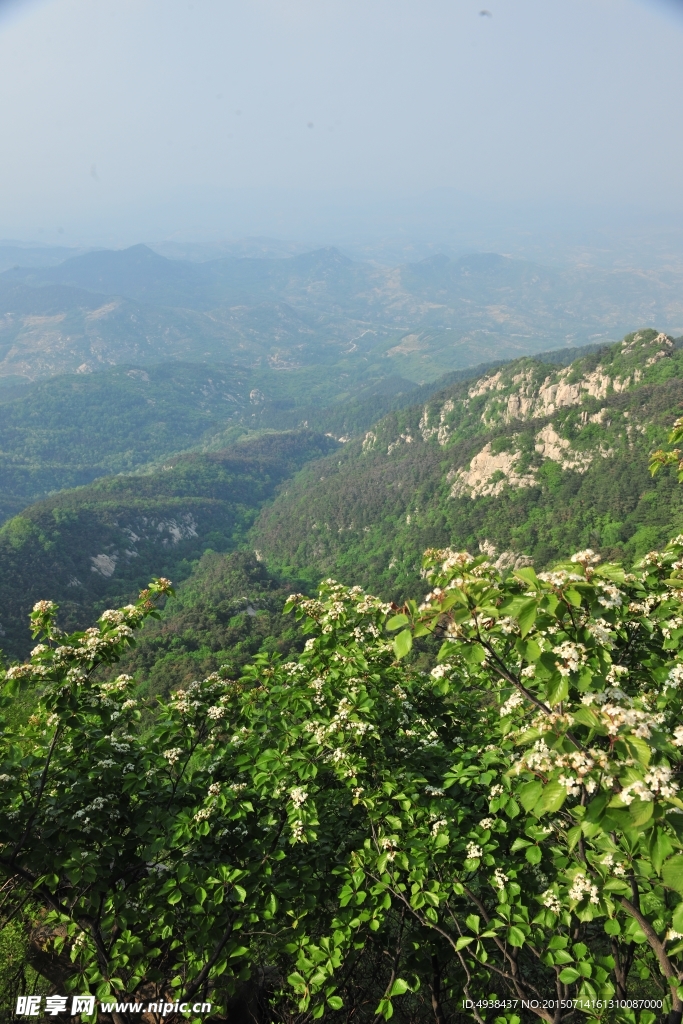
<point x="417" y="321"/>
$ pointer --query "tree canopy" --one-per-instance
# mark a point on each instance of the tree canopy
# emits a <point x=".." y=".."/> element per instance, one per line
<point x="465" y="810"/>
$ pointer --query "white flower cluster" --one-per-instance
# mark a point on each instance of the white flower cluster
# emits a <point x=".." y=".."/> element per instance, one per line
<point x="600" y="630"/>
<point x="586" y="558"/>
<point x="173" y="754"/>
<point x="473" y="850"/>
<point x="439" y="825"/>
<point x="657" y="780"/>
<point x="551" y="900"/>
<point x="215" y="713"/>
<point x="571" y="656"/>
<point x="487" y="823"/>
<point x="640" y="723"/>
<point x="500" y="879"/>
<point x="513" y="701"/>
<point x="433" y="791"/>
<point x="544" y="759"/>
<point x="298" y="796"/>
<point x="611" y="596"/>
<point x="441" y="670"/>
<point x="582" y="887"/>
<point x="214" y="789"/>
<point x="559" y="578"/>
<point x="675" y="677"/>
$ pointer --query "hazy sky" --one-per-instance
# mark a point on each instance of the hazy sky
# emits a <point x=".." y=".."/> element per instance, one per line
<point x="125" y="116"/>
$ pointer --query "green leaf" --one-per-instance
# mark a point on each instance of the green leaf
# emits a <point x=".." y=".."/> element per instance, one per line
<point x="527" y="615"/>
<point x="398" y="988"/>
<point x="554" y="795"/>
<point x="677" y="919"/>
<point x="639" y="749"/>
<point x="612" y="927"/>
<point x="403" y="643"/>
<point x="516" y="936"/>
<point x="534" y="855"/>
<point x="527" y="575"/>
<point x="396" y="621"/>
<point x="529" y="795"/>
<point x="557" y="689"/>
<point x="473" y="654"/>
<point x="640" y="811"/>
<point x="175" y="897"/>
<point x="672" y="873"/>
<point x="472" y="922"/>
<point x="335" y="1002"/>
<point x="463" y="941"/>
<point x="573" y="597"/>
<point x="569" y="975"/>
<point x="584" y="716"/>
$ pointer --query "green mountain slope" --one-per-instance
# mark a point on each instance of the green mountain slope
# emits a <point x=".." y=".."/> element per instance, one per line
<point x="532" y="459"/>
<point x="95" y="546"/>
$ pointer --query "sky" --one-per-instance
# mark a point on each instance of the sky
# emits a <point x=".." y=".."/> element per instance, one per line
<point x="123" y="120"/>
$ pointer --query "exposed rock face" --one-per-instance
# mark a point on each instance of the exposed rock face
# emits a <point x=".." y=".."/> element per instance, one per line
<point x="477" y="478"/>
<point x="550" y="445"/>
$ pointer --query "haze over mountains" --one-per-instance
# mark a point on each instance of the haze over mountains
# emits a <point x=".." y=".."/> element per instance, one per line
<point x="417" y="320"/>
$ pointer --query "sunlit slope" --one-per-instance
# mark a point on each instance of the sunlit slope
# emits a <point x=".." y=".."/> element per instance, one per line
<point x="532" y="459"/>
<point x="94" y="546"/>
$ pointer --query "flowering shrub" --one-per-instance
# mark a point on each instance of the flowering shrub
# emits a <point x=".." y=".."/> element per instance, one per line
<point x="345" y="833"/>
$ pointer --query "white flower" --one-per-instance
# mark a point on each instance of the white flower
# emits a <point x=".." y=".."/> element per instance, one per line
<point x="552" y="901"/>
<point x="674" y="678"/>
<point x="215" y="713"/>
<point x="214" y="789"/>
<point x="612" y="597"/>
<point x="5" y="778"/>
<point x="570" y="657"/>
<point x="510" y="704"/>
<point x="298" y="796"/>
<point x="495" y="791"/>
<point x="583" y="887"/>
<point x="528" y="672"/>
<point x="499" y="879"/>
<point x="441" y="670"/>
<point x="173" y="754"/>
<point x="586" y="558"/>
<point x="570" y="785"/>
<point x="203" y="814"/>
<point x="473" y="850"/>
<point x="441" y="823"/>
<point x="433" y="791"/>
<point x="486" y="823"/>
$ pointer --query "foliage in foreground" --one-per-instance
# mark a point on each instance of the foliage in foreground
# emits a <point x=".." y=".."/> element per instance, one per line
<point x="345" y="834"/>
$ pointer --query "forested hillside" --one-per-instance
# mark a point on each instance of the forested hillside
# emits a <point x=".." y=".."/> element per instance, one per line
<point x="530" y="459"/>
<point x="70" y="429"/>
<point x="94" y="546"/>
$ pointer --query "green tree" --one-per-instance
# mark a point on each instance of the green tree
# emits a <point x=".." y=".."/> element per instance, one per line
<point x="674" y="457"/>
<point x="496" y="839"/>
